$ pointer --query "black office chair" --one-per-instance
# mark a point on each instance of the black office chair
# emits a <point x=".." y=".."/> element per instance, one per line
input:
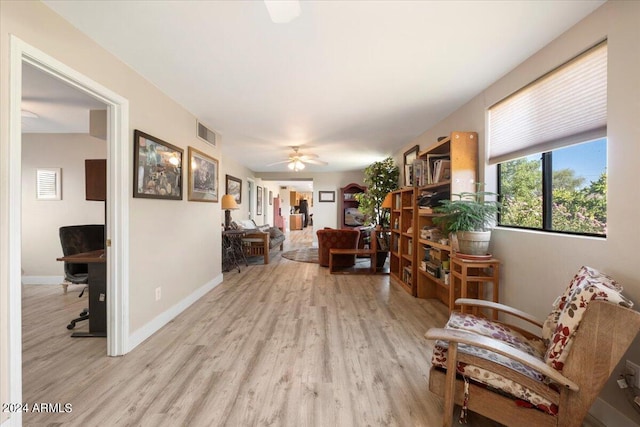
<point x="76" y="239"/>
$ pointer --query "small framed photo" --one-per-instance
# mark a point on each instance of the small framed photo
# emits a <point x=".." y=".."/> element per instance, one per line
<point x="259" y="200"/>
<point x="409" y="156"/>
<point x="270" y="198"/>
<point x="234" y="187"/>
<point x="203" y="177"/>
<point x="326" y="196"/>
<point x="157" y="168"/>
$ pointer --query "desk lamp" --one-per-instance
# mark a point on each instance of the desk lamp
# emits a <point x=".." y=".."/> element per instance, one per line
<point x="228" y="203"/>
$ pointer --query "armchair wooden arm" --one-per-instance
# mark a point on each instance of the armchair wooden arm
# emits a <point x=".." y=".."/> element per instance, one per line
<point x="500" y="307"/>
<point x="258" y="235"/>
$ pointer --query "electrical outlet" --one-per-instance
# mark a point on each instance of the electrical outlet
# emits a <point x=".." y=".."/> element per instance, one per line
<point x="158" y="294"/>
<point x="633" y="369"/>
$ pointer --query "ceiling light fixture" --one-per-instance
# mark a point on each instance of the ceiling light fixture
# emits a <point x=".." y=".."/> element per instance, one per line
<point x="296" y="165"/>
<point x="282" y="11"/>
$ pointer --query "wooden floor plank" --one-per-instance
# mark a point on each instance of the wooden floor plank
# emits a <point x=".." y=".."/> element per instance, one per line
<point x="283" y="344"/>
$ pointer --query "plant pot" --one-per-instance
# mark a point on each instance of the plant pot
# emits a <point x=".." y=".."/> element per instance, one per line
<point x="473" y="242"/>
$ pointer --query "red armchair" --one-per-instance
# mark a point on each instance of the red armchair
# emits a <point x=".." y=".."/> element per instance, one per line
<point x="330" y="238"/>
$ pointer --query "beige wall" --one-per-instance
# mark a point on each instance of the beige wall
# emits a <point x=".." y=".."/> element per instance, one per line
<point x="42" y="219"/>
<point x="536" y="267"/>
<point x="231" y="167"/>
<point x="161" y="231"/>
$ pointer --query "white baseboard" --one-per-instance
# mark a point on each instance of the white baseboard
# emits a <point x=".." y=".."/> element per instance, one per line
<point x="137" y="337"/>
<point x="609" y="416"/>
<point x="42" y="280"/>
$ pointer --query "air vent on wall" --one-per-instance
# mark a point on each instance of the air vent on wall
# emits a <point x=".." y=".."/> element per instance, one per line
<point x="206" y="134"/>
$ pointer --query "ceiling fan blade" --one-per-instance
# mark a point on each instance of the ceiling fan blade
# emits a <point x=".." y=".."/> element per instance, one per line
<point x="316" y="162"/>
<point x="278" y="163"/>
<point x="305" y="157"/>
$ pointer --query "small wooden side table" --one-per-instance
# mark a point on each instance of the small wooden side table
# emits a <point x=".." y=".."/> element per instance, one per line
<point x="465" y="272"/>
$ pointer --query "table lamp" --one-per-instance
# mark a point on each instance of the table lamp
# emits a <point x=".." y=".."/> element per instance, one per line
<point x="228" y="203"/>
<point x="386" y="204"/>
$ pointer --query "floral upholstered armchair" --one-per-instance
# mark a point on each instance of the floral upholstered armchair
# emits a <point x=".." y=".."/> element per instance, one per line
<point x="518" y="378"/>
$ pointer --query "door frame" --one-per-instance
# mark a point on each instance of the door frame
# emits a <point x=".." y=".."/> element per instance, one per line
<point x="117" y="204"/>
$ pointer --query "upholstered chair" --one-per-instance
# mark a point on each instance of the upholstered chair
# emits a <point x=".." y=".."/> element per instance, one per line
<point x="330" y="238"/>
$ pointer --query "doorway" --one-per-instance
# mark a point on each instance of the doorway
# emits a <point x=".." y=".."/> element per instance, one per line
<point x="117" y="205"/>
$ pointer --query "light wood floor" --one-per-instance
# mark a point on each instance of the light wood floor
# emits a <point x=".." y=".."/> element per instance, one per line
<point x="285" y="344"/>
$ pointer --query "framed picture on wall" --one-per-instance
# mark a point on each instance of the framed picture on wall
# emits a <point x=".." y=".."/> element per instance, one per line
<point x="234" y="187"/>
<point x="259" y="200"/>
<point x="157" y="168"/>
<point x="326" y="196"/>
<point x="203" y="177"/>
<point x="270" y="198"/>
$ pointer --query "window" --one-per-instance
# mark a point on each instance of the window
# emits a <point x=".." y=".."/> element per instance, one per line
<point x="573" y="200"/>
<point x="549" y="142"/>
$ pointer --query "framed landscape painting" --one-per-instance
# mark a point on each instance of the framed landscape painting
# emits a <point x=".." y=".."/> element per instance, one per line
<point x="157" y="168"/>
<point x="203" y="177"/>
<point x="234" y="187"/>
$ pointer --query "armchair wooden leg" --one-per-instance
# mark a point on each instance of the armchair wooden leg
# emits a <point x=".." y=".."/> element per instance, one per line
<point x="450" y="385"/>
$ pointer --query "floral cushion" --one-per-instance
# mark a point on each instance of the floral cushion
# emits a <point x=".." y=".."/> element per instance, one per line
<point x="573" y="308"/>
<point x="488" y="328"/>
<point x="585" y="274"/>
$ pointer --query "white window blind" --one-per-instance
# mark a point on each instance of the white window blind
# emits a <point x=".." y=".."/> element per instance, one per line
<point x="566" y="106"/>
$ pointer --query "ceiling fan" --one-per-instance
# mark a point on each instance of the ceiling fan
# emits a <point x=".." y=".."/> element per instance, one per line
<point x="296" y="161"/>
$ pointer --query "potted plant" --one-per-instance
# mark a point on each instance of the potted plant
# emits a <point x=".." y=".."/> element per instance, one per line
<point x="381" y="178"/>
<point x="469" y="218"/>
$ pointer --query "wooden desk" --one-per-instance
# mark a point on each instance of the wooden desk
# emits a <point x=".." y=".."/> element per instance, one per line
<point x="97" y="266"/>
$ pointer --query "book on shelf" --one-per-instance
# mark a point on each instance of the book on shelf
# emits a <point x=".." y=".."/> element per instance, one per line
<point x="419" y="173"/>
<point x="408" y="175"/>
<point x="442" y="170"/>
<point x="431" y="164"/>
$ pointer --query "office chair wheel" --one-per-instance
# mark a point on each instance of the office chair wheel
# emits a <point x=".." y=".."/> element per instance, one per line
<point x="71" y="325"/>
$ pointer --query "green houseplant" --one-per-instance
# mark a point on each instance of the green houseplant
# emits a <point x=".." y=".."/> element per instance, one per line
<point x="381" y="178"/>
<point x="469" y="217"/>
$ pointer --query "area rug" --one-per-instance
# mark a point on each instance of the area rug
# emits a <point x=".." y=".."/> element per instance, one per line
<point x="302" y="255"/>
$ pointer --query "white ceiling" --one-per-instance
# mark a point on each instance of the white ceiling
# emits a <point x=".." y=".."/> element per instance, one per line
<point x="60" y="108"/>
<point x="351" y="81"/>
